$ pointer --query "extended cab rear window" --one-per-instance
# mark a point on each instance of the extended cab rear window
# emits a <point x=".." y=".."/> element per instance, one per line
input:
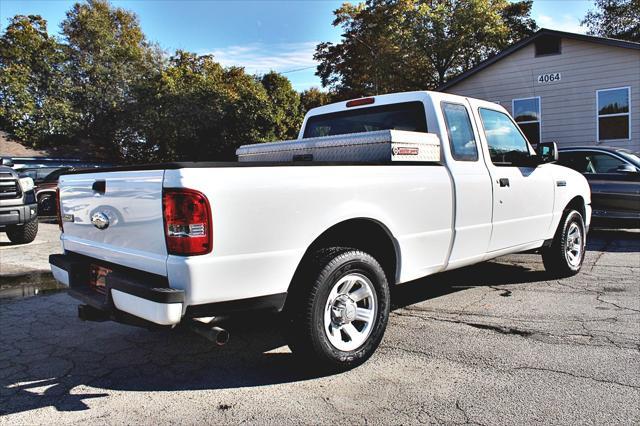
<point x="403" y="116"/>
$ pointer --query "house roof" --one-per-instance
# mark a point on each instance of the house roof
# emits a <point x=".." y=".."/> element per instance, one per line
<point x="526" y="41"/>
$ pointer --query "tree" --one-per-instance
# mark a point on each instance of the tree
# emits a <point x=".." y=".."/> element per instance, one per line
<point x="108" y="57"/>
<point x="285" y="106"/>
<point x="396" y="45"/>
<point x="313" y="98"/>
<point x="197" y="110"/>
<point x="105" y="86"/>
<point x="614" y="19"/>
<point x="33" y="85"/>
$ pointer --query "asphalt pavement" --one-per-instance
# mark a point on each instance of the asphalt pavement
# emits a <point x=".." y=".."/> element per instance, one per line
<point x="496" y="343"/>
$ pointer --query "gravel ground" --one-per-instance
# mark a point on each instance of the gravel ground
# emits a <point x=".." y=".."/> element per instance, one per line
<point x="496" y="343"/>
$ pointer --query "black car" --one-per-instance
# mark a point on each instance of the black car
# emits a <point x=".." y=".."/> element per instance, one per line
<point x="614" y="178"/>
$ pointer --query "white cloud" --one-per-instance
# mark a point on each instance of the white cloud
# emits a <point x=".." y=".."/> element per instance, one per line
<point x="568" y="23"/>
<point x="259" y="58"/>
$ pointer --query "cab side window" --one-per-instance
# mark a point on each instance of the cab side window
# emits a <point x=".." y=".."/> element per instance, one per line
<point x="590" y="162"/>
<point x="506" y="143"/>
<point x="576" y="160"/>
<point x="461" y="138"/>
<point x="603" y="163"/>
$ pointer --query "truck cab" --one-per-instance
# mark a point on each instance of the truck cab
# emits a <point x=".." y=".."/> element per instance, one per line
<point x="505" y="196"/>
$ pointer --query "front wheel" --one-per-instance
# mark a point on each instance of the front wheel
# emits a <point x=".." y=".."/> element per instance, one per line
<point x="565" y="255"/>
<point x="338" y="309"/>
<point x="23" y="234"/>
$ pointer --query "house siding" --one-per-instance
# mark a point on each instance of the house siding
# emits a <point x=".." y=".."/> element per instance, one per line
<point x="569" y="105"/>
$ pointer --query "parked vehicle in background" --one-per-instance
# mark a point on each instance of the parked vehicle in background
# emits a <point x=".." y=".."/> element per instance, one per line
<point x="454" y="183"/>
<point x="46" y="192"/>
<point x="18" y="208"/>
<point x="51" y="164"/>
<point x="614" y="177"/>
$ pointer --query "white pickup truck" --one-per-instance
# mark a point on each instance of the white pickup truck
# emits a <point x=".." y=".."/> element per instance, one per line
<point x="320" y="241"/>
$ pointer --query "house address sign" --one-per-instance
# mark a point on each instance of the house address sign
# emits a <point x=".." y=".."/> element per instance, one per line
<point x="549" y="77"/>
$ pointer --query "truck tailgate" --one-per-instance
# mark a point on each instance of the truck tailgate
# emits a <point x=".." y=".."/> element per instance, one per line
<point x="116" y="217"/>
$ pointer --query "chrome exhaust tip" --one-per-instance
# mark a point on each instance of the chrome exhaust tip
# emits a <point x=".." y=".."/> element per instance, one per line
<point x="217" y="335"/>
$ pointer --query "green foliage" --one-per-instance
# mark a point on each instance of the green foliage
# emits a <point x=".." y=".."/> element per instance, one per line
<point x="313" y="98"/>
<point x="33" y="84"/>
<point x="615" y="19"/>
<point x="397" y="45"/>
<point x="207" y="111"/>
<point x="106" y="85"/>
<point x="285" y="106"/>
<point x="108" y="59"/>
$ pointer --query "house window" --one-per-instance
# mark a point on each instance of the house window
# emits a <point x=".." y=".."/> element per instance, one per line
<point x="526" y="112"/>
<point x="547" y="45"/>
<point x="614" y="114"/>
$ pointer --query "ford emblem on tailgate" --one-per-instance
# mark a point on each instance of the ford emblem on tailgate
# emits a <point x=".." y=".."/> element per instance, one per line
<point x="100" y="220"/>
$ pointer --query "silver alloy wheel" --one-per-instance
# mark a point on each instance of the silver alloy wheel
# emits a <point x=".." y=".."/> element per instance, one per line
<point x="350" y="312"/>
<point x="574" y="247"/>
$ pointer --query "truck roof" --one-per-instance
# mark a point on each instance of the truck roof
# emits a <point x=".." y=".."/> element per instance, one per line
<point x="390" y="98"/>
<point x="387" y="99"/>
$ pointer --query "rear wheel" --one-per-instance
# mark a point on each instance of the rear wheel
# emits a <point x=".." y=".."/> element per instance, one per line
<point x="23" y="234"/>
<point x="338" y="309"/>
<point x="565" y="255"/>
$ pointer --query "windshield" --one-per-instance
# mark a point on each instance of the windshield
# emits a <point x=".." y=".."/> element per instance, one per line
<point x="404" y="116"/>
<point x="633" y="157"/>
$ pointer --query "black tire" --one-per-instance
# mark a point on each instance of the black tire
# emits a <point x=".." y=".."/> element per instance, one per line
<point x="23" y="234"/>
<point x="556" y="258"/>
<point x="305" y="308"/>
<point x="47" y="205"/>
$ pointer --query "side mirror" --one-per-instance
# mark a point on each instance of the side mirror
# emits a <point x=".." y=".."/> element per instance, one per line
<point x="626" y="168"/>
<point x="6" y="162"/>
<point x="548" y="152"/>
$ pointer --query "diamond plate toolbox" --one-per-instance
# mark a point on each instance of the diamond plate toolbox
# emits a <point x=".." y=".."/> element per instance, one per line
<point x="378" y="146"/>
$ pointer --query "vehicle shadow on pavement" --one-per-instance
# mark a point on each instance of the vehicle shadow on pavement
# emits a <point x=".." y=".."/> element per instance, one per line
<point x="52" y="359"/>
<point x="486" y="274"/>
<point x="614" y="240"/>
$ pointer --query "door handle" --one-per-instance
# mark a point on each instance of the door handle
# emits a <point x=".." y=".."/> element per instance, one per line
<point x="503" y="182"/>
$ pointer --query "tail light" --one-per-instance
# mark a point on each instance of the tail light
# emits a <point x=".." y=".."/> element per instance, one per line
<point x="187" y="222"/>
<point x="58" y="208"/>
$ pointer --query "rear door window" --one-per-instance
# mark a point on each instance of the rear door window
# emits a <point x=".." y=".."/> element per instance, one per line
<point x="461" y="137"/>
<point x="403" y="116"/>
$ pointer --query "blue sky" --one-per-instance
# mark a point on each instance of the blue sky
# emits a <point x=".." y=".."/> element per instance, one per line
<point x="259" y="35"/>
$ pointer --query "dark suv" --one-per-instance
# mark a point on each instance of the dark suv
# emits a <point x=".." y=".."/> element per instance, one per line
<point x="18" y="207"/>
<point x="614" y="177"/>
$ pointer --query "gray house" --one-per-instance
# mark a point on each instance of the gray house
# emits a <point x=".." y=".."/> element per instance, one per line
<point x="568" y="88"/>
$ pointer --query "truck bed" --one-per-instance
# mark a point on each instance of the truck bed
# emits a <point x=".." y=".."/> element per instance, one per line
<point x="262" y="215"/>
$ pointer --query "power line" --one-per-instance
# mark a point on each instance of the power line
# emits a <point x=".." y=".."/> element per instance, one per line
<point x="298" y="69"/>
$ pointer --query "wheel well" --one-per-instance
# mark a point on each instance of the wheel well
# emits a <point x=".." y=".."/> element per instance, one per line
<point x="363" y="234"/>
<point x="576" y="203"/>
<point x="43" y="194"/>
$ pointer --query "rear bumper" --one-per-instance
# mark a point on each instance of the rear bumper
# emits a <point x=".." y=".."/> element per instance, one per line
<point x="18" y="215"/>
<point x="139" y="294"/>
